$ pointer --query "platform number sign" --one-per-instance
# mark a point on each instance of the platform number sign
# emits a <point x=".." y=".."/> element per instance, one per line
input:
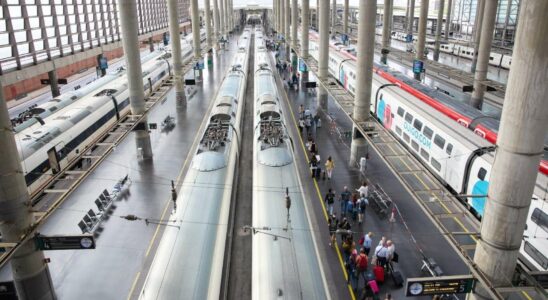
<point x="418" y="66"/>
<point x="425" y="286"/>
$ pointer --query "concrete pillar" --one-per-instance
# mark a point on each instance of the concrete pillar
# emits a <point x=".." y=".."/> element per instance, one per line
<point x="207" y="19"/>
<point x="274" y="25"/>
<point x="216" y="27"/>
<point x="178" y="76"/>
<point x="448" y="19"/>
<point x="411" y="19"/>
<point x="480" y="14"/>
<point x="151" y="44"/>
<point x="294" y="38"/>
<point x="53" y="85"/>
<point x="222" y="16"/>
<point x="484" y="52"/>
<point x="324" y="51"/>
<point x="333" y="17"/>
<point x="419" y="55"/>
<point x="287" y="21"/>
<point x="128" y="18"/>
<point x="195" y="18"/>
<point x="318" y="15"/>
<point x="29" y="268"/>
<point x="227" y="18"/>
<point x="524" y="124"/>
<point x="346" y="16"/>
<point x="386" y="30"/>
<point x="366" y="51"/>
<point x="304" y="36"/>
<point x="439" y="24"/>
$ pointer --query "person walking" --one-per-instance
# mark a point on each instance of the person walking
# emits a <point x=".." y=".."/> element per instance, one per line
<point x="363" y="190"/>
<point x="391" y="251"/>
<point x="333" y="223"/>
<point x="349" y="207"/>
<point x="308" y="125"/>
<point x="362" y="205"/>
<point x="345" y="196"/>
<point x="313" y="148"/>
<point x="361" y="267"/>
<point x="367" y="242"/>
<point x="382" y="255"/>
<point x="330" y="200"/>
<point x="344" y="227"/>
<point x="329" y="166"/>
<point x="301" y="126"/>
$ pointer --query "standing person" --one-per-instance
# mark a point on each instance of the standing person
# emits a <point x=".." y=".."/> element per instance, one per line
<point x="363" y="202"/>
<point x="391" y="250"/>
<point x="329" y="166"/>
<point x="382" y="255"/>
<point x="361" y="266"/>
<point x="367" y="242"/>
<point x="313" y="165"/>
<point x="330" y="200"/>
<point x="308" y="125"/>
<point x="351" y="267"/>
<point x="333" y="223"/>
<point x="350" y="207"/>
<point x="363" y="190"/>
<point x="301" y="111"/>
<point x="301" y="126"/>
<point x="313" y="148"/>
<point x="344" y="227"/>
<point x="345" y="196"/>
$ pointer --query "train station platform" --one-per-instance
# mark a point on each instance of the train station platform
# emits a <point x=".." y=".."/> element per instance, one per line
<point x="125" y="246"/>
<point x="415" y="236"/>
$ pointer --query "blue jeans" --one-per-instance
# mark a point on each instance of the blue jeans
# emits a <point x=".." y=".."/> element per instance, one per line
<point x="330" y="209"/>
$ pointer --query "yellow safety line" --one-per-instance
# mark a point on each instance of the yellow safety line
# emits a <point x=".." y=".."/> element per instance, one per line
<point x="350" y="289"/>
<point x="526" y="295"/>
<point x="133" y="285"/>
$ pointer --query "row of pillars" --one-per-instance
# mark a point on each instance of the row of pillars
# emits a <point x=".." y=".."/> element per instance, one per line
<point x="29" y="266"/>
<point x="524" y="121"/>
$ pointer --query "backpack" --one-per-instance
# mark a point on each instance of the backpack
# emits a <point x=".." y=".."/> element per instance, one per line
<point x="362" y="239"/>
<point x="362" y="262"/>
<point x="329" y="198"/>
<point x="362" y="204"/>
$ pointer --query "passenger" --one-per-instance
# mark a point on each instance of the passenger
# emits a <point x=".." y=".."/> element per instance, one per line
<point x="308" y="125"/>
<point x="361" y="266"/>
<point x="350" y="207"/>
<point x="344" y="227"/>
<point x="348" y="245"/>
<point x="354" y="211"/>
<point x="313" y="165"/>
<point x="345" y="196"/>
<point x="333" y="223"/>
<point x="313" y="148"/>
<point x="363" y="202"/>
<point x="391" y="250"/>
<point x="329" y="166"/>
<point x="382" y="255"/>
<point x="363" y="190"/>
<point x="330" y="200"/>
<point x="367" y="242"/>
<point x="351" y="267"/>
<point x="301" y="112"/>
<point x="301" y="126"/>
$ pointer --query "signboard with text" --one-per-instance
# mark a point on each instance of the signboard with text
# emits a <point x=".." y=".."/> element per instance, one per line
<point x="65" y="242"/>
<point x="427" y="286"/>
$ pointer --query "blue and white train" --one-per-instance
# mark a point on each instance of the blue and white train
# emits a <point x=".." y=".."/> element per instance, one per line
<point x="189" y="261"/>
<point x="287" y="267"/>
<point x="459" y="158"/>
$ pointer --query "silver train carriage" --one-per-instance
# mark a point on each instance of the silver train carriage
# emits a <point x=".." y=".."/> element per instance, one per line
<point x="286" y="267"/>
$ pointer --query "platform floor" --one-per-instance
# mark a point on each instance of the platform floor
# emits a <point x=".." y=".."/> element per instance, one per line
<point x="117" y="268"/>
<point x="422" y="237"/>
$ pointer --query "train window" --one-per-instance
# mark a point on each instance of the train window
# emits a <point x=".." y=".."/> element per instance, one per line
<point x="481" y="173"/>
<point x="436" y="164"/>
<point x="425" y="154"/>
<point x="449" y="149"/>
<point x="415" y="146"/>
<point x="428" y="132"/>
<point x="540" y="218"/>
<point x="398" y="130"/>
<point x="438" y="140"/>
<point x="417" y="124"/>
<point x="540" y="258"/>
<point x="401" y="111"/>
<point x="408" y="118"/>
<point x="405" y="137"/>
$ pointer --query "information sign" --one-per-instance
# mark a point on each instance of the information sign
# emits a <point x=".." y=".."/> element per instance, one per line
<point x="425" y="286"/>
<point x="65" y="242"/>
<point x="103" y="63"/>
<point x="417" y="66"/>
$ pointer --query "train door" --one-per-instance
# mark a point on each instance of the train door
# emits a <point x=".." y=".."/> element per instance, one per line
<point x="53" y="158"/>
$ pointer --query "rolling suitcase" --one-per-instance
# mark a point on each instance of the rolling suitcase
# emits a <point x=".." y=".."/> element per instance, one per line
<point x="397" y="277"/>
<point x="379" y="274"/>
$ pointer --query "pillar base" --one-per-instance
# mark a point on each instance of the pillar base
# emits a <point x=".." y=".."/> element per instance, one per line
<point x="357" y="150"/>
<point x="304" y="78"/>
<point x="52" y="76"/>
<point x="180" y="98"/>
<point x="31" y="274"/>
<point x="142" y="142"/>
<point x="322" y="99"/>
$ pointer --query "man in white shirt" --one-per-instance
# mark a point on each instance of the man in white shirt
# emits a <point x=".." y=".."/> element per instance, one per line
<point x="363" y="190"/>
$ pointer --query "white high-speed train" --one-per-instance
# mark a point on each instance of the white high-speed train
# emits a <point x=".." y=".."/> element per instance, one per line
<point x="54" y="105"/>
<point x="459" y="158"/>
<point x="49" y="148"/>
<point x="495" y="59"/>
<point x="287" y="267"/>
<point x="189" y="261"/>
